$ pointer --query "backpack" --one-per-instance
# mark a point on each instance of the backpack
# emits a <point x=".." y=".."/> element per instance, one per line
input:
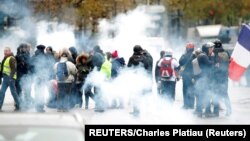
<point x="196" y="67"/>
<point x="221" y="62"/>
<point x="223" y="57"/>
<point x="62" y="71"/>
<point x="166" y="70"/>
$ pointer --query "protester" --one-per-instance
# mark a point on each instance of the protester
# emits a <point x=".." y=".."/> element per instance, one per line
<point x="9" y="75"/>
<point x="65" y="72"/>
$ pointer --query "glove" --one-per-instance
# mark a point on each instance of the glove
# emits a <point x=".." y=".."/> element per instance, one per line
<point x="217" y="65"/>
<point x="178" y="78"/>
<point x="181" y="70"/>
<point x="193" y="80"/>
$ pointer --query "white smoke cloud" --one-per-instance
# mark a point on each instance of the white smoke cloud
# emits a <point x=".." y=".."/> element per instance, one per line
<point x="122" y="33"/>
<point x="130" y="29"/>
<point x="57" y="35"/>
<point x="22" y="30"/>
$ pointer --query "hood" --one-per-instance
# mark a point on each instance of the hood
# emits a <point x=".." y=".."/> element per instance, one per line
<point x="79" y="58"/>
<point x="121" y="60"/>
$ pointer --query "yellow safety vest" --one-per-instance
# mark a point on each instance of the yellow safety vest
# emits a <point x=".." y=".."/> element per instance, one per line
<point x="106" y="68"/>
<point x="6" y="67"/>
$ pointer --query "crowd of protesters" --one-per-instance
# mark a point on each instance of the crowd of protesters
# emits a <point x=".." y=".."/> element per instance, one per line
<point x="204" y="72"/>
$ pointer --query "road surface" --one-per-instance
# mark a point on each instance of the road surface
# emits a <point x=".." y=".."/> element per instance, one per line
<point x="155" y="113"/>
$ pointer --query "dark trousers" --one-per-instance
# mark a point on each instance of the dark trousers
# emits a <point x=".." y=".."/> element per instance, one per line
<point x="64" y="96"/>
<point x="88" y="94"/>
<point x="78" y="94"/>
<point x="188" y="92"/>
<point x="168" y="90"/>
<point x="74" y="95"/>
<point x="9" y="82"/>
<point x="18" y="86"/>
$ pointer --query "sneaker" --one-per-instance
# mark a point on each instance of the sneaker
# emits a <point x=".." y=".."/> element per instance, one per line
<point x="190" y="107"/>
<point x="77" y="106"/>
<point x="195" y="112"/>
<point x="199" y="115"/>
<point x="40" y="110"/>
<point x="135" y="114"/>
<point x="65" y="110"/>
<point x="209" y="115"/>
<point x="99" y="110"/>
<point x="184" y="107"/>
<point x="17" y="110"/>
<point x="59" y="110"/>
<point x="216" y="115"/>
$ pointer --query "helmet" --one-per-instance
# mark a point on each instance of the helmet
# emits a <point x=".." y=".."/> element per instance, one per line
<point x="169" y="53"/>
<point x="190" y="45"/>
<point x="206" y="46"/>
<point x="209" y="44"/>
<point x="217" y="43"/>
<point x="137" y="48"/>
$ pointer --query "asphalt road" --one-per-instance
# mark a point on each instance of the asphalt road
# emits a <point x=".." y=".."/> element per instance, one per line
<point x="155" y="113"/>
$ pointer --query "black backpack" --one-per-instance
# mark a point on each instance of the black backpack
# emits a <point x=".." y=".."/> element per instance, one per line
<point x="62" y="71"/>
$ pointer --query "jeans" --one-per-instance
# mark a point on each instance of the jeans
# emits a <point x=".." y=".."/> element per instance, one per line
<point x="9" y="82"/>
<point x="168" y="90"/>
<point x="188" y="92"/>
<point x="88" y="94"/>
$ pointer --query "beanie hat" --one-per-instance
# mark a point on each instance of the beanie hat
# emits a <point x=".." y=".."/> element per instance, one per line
<point x="169" y="53"/>
<point x="41" y="47"/>
<point x="115" y="54"/>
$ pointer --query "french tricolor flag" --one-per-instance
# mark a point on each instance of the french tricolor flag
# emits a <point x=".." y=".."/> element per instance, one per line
<point x="240" y="58"/>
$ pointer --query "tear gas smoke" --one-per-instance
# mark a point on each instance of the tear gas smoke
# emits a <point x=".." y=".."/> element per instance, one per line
<point x="57" y="35"/>
<point x="133" y="85"/>
<point x="18" y="16"/>
<point x="130" y="29"/>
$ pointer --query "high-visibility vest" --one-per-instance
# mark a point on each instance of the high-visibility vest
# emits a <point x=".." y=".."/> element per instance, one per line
<point x="6" y="67"/>
<point x="106" y="68"/>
